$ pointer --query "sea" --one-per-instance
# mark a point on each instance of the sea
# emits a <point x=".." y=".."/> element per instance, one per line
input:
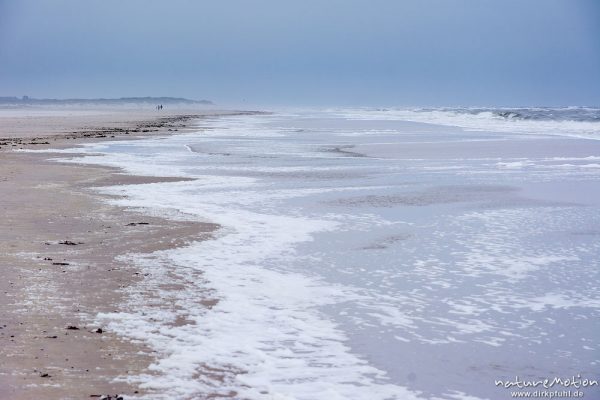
<point x="368" y="253"/>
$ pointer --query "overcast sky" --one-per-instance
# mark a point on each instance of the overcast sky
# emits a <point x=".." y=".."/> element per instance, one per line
<point x="308" y="52"/>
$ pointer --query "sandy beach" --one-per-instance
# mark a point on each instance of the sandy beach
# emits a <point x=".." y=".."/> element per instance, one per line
<point x="349" y="254"/>
<point x="41" y="128"/>
<point x="59" y="254"/>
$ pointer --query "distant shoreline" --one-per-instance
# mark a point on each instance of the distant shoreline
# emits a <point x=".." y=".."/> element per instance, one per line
<point x="24" y="127"/>
<point x="26" y="100"/>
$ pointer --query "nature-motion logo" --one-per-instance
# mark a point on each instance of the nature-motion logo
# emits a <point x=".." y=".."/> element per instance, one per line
<point x="575" y="382"/>
<point x="562" y="387"/>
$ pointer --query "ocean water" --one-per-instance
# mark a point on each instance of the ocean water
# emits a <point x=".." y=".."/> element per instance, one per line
<point x="367" y="254"/>
<point x="580" y="122"/>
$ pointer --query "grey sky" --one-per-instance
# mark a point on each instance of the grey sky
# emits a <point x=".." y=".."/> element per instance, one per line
<point x="327" y="52"/>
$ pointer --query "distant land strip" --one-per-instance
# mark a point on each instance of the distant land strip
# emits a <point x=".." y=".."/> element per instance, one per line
<point x="26" y="100"/>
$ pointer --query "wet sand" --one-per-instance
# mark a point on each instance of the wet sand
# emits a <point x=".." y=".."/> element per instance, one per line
<point x="59" y="249"/>
<point x="42" y="128"/>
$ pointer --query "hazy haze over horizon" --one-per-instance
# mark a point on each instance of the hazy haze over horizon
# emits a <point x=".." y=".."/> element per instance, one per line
<point x="267" y="52"/>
